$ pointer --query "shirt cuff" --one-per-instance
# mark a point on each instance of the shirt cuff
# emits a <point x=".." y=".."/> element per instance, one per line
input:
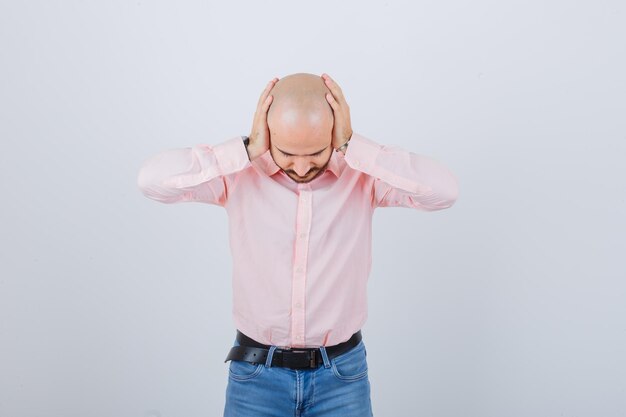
<point x="361" y="153"/>
<point x="231" y="155"/>
<point x="211" y="161"/>
<point x="364" y="154"/>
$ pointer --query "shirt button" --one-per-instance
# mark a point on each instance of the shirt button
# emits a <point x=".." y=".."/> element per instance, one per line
<point x="303" y="199"/>
<point x="303" y="235"/>
<point x="298" y="304"/>
<point x="300" y="269"/>
<point x="357" y="163"/>
<point x="299" y="337"/>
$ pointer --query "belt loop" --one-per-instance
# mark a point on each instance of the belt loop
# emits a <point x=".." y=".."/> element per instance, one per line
<point x="325" y="357"/>
<point x="270" y="354"/>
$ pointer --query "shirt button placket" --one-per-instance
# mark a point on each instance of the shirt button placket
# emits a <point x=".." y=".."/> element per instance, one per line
<point x="303" y="226"/>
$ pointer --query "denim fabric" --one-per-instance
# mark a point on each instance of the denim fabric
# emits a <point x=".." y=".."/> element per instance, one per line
<point x="340" y="387"/>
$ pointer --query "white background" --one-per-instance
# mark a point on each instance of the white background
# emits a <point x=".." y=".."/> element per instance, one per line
<point x="510" y="303"/>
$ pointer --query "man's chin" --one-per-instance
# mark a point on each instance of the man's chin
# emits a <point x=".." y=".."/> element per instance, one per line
<point x="310" y="178"/>
<point x="301" y="180"/>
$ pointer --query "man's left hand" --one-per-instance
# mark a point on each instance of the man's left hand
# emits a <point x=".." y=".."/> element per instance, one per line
<point x="342" y="128"/>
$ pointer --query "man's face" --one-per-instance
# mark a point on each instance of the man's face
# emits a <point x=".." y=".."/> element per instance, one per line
<point x="301" y="163"/>
<point x="301" y="145"/>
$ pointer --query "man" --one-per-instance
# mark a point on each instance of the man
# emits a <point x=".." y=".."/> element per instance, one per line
<point x="300" y="193"/>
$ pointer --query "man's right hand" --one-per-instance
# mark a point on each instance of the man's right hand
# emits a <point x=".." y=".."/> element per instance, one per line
<point x="260" y="135"/>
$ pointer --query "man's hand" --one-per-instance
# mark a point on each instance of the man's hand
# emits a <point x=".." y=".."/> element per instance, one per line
<point x="342" y="129"/>
<point x="260" y="135"/>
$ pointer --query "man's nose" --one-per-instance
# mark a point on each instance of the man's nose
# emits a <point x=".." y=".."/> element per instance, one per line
<point x="301" y="167"/>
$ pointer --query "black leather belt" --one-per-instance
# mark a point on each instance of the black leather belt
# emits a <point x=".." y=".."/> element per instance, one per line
<point x="250" y="350"/>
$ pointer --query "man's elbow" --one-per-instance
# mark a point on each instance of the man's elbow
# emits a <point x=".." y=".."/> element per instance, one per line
<point x="151" y="189"/>
<point x="442" y="198"/>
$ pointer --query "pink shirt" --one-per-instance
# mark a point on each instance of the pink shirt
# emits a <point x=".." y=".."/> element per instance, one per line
<point x="301" y="252"/>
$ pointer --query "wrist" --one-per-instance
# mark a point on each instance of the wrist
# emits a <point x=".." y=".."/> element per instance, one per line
<point x="253" y="152"/>
<point x="343" y="147"/>
<point x="246" y="142"/>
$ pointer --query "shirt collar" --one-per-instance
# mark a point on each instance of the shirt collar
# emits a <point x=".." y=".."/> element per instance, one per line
<point x="267" y="164"/>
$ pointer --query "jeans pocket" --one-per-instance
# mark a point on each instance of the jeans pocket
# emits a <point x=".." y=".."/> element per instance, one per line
<point x="242" y="370"/>
<point x="350" y="365"/>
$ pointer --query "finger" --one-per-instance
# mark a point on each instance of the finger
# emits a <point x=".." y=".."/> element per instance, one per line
<point x="267" y="90"/>
<point x="266" y="103"/>
<point x="334" y="87"/>
<point x="331" y="100"/>
<point x="261" y="115"/>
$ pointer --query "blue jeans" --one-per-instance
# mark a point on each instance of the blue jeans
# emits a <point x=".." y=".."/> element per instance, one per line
<point x="338" y="388"/>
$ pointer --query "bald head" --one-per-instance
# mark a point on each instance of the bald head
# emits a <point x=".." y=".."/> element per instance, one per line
<point x="300" y="115"/>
